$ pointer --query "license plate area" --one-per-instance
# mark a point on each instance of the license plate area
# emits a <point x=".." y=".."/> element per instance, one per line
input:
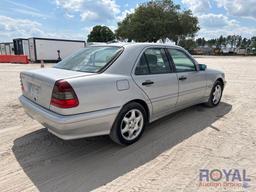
<point x="34" y="91"/>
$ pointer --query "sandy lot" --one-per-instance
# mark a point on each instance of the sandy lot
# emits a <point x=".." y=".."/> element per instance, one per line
<point x="167" y="158"/>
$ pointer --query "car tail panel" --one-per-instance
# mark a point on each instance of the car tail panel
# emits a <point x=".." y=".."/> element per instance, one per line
<point x="37" y="85"/>
<point x="36" y="89"/>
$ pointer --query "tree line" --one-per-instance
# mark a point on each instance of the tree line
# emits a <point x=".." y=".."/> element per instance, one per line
<point x="234" y="41"/>
<point x="230" y="41"/>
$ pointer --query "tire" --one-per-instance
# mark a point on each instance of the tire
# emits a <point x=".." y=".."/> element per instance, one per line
<point x="129" y="124"/>
<point x="216" y="94"/>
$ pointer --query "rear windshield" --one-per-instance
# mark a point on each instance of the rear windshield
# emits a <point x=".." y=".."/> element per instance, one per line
<point x="90" y="59"/>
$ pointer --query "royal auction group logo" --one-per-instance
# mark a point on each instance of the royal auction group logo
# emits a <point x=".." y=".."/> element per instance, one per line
<point x="232" y="178"/>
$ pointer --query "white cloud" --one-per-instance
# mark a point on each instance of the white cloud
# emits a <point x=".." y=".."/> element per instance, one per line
<point x="198" y="6"/>
<point x="22" y="6"/>
<point x="89" y="10"/>
<point x="70" y="15"/>
<point x="30" y="13"/>
<point x="11" y="28"/>
<point x="241" y="8"/>
<point x="87" y="30"/>
<point x="124" y="13"/>
<point x="65" y="35"/>
<point x="216" y="21"/>
<point x="14" y="28"/>
<point x="215" y="33"/>
<point x="89" y="15"/>
<point x="27" y="10"/>
<point x="215" y="25"/>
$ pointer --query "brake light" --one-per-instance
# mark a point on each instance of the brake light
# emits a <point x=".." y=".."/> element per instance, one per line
<point x="63" y="95"/>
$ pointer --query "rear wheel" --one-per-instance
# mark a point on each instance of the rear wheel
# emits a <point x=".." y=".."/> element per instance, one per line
<point x="216" y="94"/>
<point x="129" y="124"/>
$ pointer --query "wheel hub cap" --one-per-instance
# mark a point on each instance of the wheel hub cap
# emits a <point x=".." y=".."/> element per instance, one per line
<point x="217" y="94"/>
<point x="132" y="124"/>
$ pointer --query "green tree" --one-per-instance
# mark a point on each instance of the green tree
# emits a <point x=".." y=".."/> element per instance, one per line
<point x="220" y="41"/>
<point x="101" y="34"/>
<point x="188" y="44"/>
<point x="244" y="43"/>
<point x="156" y="20"/>
<point x="212" y="42"/>
<point x="239" y="41"/>
<point x="201" y="41"/>
<point x="253" y="45"/>
<point x="253" y="42"/>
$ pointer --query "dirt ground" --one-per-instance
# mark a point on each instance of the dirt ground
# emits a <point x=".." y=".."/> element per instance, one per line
<point x="168" y="157"/>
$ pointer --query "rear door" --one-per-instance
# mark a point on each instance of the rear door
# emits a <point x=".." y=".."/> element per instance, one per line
<point x="192" y="83"/>
<point x="154" y="75"/>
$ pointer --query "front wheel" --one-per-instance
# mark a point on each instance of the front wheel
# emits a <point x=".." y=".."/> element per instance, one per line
<point x="216" y="94"/>
<point x="129" y="124"/>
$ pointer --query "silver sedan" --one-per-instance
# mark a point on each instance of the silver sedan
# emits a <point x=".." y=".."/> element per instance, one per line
<point x="117" y="89"/>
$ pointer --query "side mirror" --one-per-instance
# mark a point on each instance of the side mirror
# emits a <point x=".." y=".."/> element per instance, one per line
<point x="202" y="67"/>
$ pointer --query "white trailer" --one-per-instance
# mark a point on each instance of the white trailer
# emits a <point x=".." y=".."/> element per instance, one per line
<point x="6" y="48"/>
<point x="21" y="46"/>
<point x="2" y="49"/>
<point x="47" y="49"/>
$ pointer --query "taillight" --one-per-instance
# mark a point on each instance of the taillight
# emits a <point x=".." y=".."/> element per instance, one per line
<point x="63" y="95"/>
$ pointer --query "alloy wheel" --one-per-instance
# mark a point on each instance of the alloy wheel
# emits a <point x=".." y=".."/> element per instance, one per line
<point x="217" y="94"/>
<point x="132" y="124"/>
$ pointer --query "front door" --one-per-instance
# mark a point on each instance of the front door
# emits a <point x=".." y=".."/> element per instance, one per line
<point x="154" y="75"/>
<point x="192" y="83"/>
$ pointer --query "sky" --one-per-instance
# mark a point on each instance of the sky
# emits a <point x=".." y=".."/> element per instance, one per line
<point x="74" y="19"/>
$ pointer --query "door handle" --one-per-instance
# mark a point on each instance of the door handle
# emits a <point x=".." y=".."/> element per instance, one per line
<point x="182" y="78"/>
<point x="148" y="82"/>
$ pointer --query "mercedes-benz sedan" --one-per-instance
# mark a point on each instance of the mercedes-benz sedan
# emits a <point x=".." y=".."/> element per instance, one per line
<point x="117" y="89"/>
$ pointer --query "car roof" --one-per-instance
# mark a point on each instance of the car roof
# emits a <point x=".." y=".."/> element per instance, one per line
<point x="137" y="45"/>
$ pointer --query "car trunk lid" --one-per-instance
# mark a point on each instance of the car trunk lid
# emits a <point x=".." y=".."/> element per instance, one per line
<point x="38" y="84"/>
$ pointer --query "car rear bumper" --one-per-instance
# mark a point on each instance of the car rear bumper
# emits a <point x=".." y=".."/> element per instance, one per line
<point x="72" y="126"/>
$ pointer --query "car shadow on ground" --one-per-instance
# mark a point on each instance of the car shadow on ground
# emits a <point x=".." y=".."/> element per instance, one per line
<point x="86" y="164"/>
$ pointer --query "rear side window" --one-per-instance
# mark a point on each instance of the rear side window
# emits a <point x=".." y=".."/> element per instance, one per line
<point x="181" y="61"/>
<point x="153" y="61"/>
<point x="90" y="59"/>
<point x="142" y="67"/>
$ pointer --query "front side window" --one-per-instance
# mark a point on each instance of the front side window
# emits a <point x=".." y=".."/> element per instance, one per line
<point x="153" y="61"/>
<point x="181" y="61"/>
<point x="90" y="59"/>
